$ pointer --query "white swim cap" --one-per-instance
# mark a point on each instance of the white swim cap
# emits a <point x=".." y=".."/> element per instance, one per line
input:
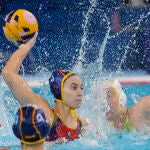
<point x="119" y="93"/>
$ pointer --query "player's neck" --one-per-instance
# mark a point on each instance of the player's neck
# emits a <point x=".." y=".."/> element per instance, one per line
<point x="33" y="147"/>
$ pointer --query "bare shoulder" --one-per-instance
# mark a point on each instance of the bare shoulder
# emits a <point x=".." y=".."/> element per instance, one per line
<point x="143" y="103"/>
<point x="141" y="106"/>
<point x="140" y="112"/>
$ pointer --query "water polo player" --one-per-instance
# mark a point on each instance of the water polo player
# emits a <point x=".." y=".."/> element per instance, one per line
<point x="31" y="127"/>
<point x="67" y="90"/>
<point x="135" y="117"/>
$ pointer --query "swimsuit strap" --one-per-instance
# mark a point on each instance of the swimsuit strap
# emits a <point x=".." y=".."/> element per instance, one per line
<point x="127" y="123"/>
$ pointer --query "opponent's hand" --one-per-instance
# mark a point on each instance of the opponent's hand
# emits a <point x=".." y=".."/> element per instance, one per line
<point x="30" y="43"/>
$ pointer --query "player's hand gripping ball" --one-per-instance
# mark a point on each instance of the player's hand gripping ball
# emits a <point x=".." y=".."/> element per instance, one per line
<point x="20" y="26"/>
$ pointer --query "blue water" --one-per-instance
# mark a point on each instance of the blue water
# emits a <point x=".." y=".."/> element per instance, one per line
<point x="107" y="139"/>
<point x="134" y="93"/>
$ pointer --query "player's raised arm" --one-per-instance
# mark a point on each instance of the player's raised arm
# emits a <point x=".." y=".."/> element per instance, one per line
<point x="16" y="83"/>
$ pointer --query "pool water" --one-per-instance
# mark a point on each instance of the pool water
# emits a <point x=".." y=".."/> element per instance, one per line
<point x="135" y="92"/>
<point x="107" y="138"/>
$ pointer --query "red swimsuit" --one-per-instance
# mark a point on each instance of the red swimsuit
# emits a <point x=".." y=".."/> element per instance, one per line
<point x="61" y="132"/>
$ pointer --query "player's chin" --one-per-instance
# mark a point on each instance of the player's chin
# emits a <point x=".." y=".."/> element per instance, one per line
<point x="77" y="104"/>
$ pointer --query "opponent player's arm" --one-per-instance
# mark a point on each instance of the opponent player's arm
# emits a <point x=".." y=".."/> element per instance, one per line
<point x="144" y="103"/>
<point x="143" y="106"/>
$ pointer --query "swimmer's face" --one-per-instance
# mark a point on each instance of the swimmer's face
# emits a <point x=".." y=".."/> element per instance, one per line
<point x="73" y="91"/>
<point x="112" y="99"/>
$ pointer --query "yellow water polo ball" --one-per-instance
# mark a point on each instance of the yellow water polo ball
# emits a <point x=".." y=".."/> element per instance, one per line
<point x="20" y="26"/>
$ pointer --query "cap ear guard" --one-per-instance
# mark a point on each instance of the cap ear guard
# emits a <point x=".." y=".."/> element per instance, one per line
<point x="31" y="126"/>
<point x="42" y="124"/>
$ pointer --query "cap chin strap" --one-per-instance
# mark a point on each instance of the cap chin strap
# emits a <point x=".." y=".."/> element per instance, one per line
<point x="72" y="110"/>
<point x="33" y="143"/>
